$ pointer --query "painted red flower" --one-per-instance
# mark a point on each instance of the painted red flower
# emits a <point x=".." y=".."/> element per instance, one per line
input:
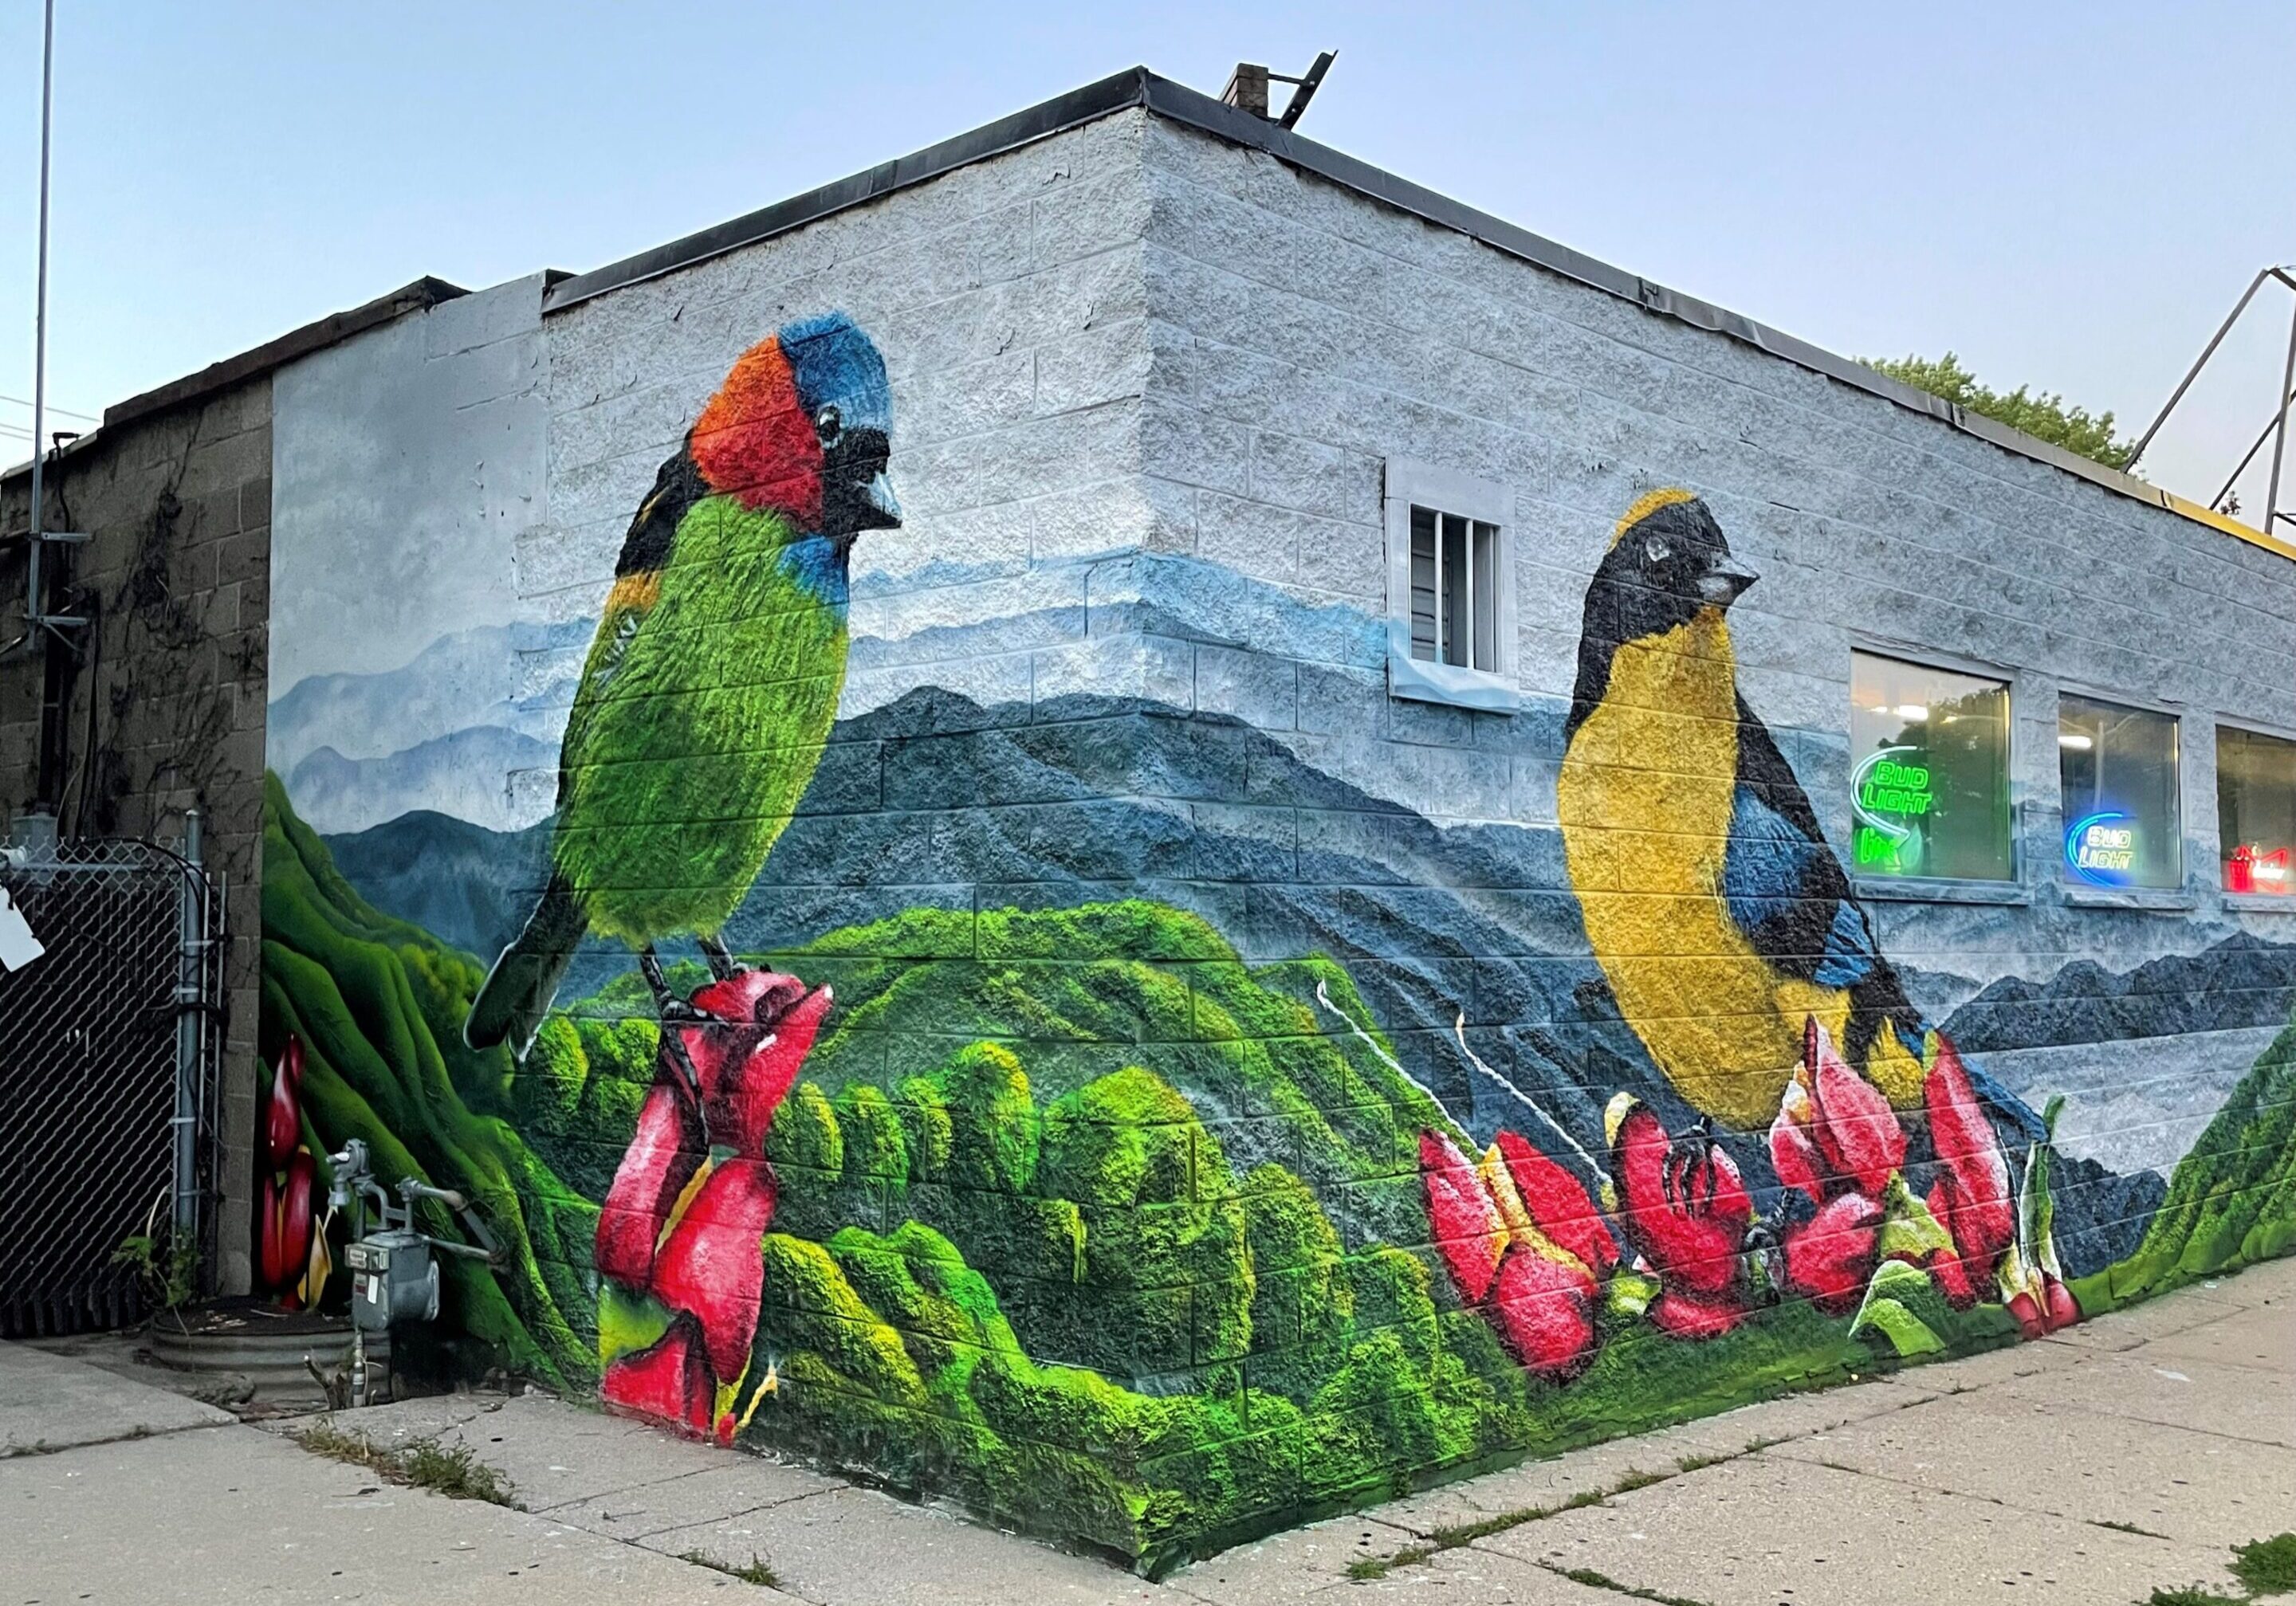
<point x="684" y="1228"/>
<point x="1834" y="1131"/>
<point x="286" y="1188"/>
<point x="1971" y="1197"/>
<point x="1838" y="1144"/>
<point x="1524" y="1244"/>
<point x="1686" y="1210"/>
<point x="282" y="1117"/>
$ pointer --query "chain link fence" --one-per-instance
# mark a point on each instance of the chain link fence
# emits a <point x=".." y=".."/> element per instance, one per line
<point x="109" y="1045"/>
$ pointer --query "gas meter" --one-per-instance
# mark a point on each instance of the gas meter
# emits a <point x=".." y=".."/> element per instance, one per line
<point x="393" y="1278"/>
<point x="393" y="1268"/>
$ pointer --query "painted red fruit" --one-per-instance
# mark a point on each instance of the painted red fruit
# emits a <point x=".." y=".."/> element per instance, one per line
<point x="665" y="1151"/>
<point x="667" y="1380"/>
<point x="283" y="1114"/>
<point x="1829" y="1257"/>
<point x="1462" y="1216"/>
<point x="1971" y="1197"/>
<point x="1686" y="1210"/>
<point x="711" y="1265"/>
<point x="1544" y="1308"/>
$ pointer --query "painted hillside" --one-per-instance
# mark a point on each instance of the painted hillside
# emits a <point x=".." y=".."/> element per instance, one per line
<point x="1088" y="1223"/>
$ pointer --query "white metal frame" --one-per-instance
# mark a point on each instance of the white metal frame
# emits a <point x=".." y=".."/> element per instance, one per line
<point x="1442" y="490"/>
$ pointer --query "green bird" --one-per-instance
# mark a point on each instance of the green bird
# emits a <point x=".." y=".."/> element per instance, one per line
<point x="712" y="683"/>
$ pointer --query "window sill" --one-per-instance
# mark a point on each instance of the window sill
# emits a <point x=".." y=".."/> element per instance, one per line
<point x="1478" y="689"/>
<point x="1913" y="890"/>
<point x="2261" y="903"/>
<point x="2156" y="900"/>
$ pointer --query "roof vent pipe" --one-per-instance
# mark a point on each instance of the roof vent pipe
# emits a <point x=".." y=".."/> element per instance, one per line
<point x="1247" y="88"/>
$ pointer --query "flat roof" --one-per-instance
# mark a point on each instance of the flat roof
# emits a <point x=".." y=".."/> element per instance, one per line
<point x="419" y="296"/>
<point x="1137" y="87"/>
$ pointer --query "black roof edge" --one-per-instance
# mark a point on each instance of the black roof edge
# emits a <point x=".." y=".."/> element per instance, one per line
<point x="1113" y="93"/>
<point x="1138" y="86"/>
<point x="419" y="295"/>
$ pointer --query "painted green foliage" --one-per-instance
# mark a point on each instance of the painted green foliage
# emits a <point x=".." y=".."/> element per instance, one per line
<point x="2233" y="1200"/>
<point x="1080" y="1219"/>
<point x="376" y="1004"/>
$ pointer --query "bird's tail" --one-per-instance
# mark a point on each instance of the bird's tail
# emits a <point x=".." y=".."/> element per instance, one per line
<point x="517" y="991"/>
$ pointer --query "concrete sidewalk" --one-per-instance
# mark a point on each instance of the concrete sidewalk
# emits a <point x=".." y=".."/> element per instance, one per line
<point x="2123" y="1455"/>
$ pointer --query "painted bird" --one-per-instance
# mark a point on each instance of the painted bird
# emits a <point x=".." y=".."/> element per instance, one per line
<point x="713" y="680"/>
<point x="1716" y="909"/>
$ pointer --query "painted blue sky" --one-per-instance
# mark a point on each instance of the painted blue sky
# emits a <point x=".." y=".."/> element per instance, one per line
<point x="2068" y="195"/>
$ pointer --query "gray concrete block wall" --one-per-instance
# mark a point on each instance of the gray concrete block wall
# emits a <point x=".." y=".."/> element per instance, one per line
<point x="167" y="713"/>
<point x="1295" y="322"/>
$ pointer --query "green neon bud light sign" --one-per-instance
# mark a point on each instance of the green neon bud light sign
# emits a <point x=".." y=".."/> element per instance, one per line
<point x="1887" y="795"/>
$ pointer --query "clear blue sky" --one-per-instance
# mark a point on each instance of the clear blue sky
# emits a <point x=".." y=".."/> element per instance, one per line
<point x="2068" y="195"/>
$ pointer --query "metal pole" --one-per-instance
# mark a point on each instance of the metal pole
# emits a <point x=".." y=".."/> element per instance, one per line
<point x="2280" y="440"/>
<point x="190" y="997"/>
<point x="2254" y="446"/>
<point x="2193" y="372"/>
<point x="35" y="604"/>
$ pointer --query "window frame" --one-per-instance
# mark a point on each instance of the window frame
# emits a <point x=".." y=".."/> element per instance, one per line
<point x="2219" y="723"/>
<point x="2176" y="713"/>
<point x="2009" y="889"/>
<point x="1409" y="484"/>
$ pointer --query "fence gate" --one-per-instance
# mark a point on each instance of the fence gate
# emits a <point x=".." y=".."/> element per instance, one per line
<point x="109" y="1046"/>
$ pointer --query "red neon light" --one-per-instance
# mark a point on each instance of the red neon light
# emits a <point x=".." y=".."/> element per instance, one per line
<point x="2250" y="869"/>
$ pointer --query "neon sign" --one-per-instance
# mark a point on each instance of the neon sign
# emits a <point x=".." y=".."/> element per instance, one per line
<point x="1886" y="795"/>
<point x="2253" y="870"/>
<point x="2101" y="848"/>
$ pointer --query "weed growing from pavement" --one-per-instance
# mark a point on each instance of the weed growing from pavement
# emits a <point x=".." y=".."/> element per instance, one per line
<point x="757" y="1572"/>
<point x="424" y="1463"/>
<point x="1595" y="1580"/>
<point x="2266" y="1566"/>
<point x="2124" y="1527"/>
<point x="454" y="1472"/>
<point x="1456" y="1535"/>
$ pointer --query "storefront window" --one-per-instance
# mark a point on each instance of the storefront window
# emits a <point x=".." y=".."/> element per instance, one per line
<point x="1929" y="777"/>
<point x="2118" y="767"/>
<point x="2255" y="810"/>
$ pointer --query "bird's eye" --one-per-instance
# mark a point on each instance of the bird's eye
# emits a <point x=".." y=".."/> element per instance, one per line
<point x="828" y="424"/>
<point x="1656" y="549"/>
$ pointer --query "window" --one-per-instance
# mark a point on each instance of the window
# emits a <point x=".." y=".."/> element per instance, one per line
<point x="1453" y="590"/>
<point x="1929" y="778"/>
<point x="2255" y="810"/>
<point x="1450" y="588"/>
<point x="2118" y="767"/>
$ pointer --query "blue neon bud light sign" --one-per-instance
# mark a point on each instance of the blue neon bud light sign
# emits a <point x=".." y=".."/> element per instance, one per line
<point x="2102" y="848"/>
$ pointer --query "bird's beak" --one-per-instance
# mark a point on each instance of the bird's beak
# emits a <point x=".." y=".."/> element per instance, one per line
<point x="878" y="495"/>
<point x="1725" y="580"/>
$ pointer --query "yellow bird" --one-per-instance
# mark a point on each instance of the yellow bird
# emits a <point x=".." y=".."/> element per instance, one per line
<point x="1714" y="905"/>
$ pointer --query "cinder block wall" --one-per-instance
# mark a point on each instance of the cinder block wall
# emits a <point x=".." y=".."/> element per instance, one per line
<point x="1220" y="1117"/>
<point x="1305" y="335"/>
<point x="166" y="712"/>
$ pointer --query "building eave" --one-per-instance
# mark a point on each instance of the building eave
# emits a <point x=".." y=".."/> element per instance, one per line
<point x="1137" y="87"/>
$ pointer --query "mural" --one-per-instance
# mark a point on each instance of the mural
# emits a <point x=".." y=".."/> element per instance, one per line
<point x="911" y="1083"/>
<point x="291" y="1257"/>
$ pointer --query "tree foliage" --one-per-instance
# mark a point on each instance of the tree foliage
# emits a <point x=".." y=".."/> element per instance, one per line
<point x="2044" y="417"/>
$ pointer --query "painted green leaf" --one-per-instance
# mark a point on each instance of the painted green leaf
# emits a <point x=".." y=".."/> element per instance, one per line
<point x="1908" y="1231"/>
<point x="1885" y="1312"/>
<point x="1908" y="1333"/>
